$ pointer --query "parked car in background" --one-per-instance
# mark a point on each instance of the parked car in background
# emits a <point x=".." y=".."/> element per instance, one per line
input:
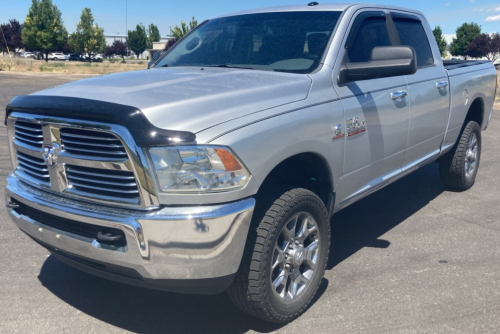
<point x="28" y="55"/>
<point x="92" y="57"/>
<point x="57" y="56"/>
<point x="75" y="57"/>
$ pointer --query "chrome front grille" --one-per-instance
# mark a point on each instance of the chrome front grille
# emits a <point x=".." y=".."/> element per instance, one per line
<point x="80" y="159"/>
<point x="29" y="133"/>
<point x="92" y="143"/>
<point x="102" y="182"/>
<point x="33" y="167"/>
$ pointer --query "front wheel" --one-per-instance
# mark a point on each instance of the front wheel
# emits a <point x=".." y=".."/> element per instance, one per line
<point x="458" y="168"/>
<point x="285" y="260"/>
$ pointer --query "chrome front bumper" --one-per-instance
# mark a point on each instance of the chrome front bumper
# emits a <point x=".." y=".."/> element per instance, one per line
<point x="173" y="243"/>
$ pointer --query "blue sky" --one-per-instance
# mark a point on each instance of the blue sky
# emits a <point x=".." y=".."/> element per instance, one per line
<point x="110" y="14"/>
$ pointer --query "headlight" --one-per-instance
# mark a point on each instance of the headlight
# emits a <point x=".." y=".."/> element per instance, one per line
<point x="197" y="169"/>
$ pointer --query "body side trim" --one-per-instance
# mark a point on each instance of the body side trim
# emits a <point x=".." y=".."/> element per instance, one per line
<point x="269" y="117"/>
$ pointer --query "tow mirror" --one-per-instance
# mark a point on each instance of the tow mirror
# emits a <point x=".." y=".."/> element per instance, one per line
<point x="385" y="62"/>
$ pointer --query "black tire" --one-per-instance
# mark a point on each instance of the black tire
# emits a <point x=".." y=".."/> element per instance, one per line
<point x="454" y="166"/>
<point x="252" y="290"/>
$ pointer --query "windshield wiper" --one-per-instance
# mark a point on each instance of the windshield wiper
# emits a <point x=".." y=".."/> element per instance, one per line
<point x="242" y="67"/>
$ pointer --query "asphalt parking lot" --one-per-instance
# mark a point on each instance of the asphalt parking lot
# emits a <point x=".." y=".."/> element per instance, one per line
<point x="412" y="258"/>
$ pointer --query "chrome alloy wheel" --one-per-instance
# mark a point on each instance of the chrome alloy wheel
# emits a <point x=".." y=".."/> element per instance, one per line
<point x="295" y="256"/>
<point x="471" y="155"/>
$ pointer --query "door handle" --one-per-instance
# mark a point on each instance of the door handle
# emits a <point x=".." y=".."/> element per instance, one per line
<point x="399" y="94"/>
<point x="442" y="84"/>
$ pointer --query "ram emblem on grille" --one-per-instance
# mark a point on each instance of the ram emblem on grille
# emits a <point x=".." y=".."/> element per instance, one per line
<point x="50" y="155"/>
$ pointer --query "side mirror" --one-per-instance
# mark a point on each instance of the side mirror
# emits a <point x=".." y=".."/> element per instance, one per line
<point x="385" y="62"/>
<point x="155" y="57"/>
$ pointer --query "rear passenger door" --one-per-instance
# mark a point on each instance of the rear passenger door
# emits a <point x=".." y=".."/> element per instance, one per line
<point x="428" y="91"/>
<point x="376" y="120"/>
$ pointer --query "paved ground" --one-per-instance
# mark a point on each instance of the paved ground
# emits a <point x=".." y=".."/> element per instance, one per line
<point x="412" y="258"/>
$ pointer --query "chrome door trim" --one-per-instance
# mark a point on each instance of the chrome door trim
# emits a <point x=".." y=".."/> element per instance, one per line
<point x="441" y="84"/>
<point x="388" y="179"/>
<point x="400" y="94"/>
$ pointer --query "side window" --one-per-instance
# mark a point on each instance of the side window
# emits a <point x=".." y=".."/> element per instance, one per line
<point x="368" y="31"/>
<point x="412" y="33"/>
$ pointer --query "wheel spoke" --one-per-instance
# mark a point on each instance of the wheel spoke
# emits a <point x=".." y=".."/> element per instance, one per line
<point x="278" y="257"/>
<point x="473" y="141"/>
<point x="289" y="228"/>
<point x="307" y="228"/>
<point x="311" y="255"/>
<point x="297" y="284"/>
<point x="280" y="280"/>
<point x="280" y="284"/>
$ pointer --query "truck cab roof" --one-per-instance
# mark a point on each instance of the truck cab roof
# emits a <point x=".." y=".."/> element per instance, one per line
<point x="316" y="7"/>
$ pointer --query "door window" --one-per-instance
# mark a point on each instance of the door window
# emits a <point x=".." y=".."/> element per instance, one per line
<point x="369" y="30"/>
<point x="412" y="33"/>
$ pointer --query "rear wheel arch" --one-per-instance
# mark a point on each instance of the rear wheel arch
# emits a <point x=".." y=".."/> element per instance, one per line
<point x="476" y="112"/>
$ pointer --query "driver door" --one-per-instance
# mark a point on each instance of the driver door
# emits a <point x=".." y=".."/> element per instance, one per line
<point x="376" y="112"/>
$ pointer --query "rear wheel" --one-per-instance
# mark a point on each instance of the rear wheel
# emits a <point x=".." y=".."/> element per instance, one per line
<point x="458" y="168"/>
<point x="285" y="260"/>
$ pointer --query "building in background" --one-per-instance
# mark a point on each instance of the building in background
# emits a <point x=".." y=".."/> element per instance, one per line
<point x="148" y="53"/>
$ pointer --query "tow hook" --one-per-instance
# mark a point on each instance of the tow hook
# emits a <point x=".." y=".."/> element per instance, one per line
<point x="108" y="237"/>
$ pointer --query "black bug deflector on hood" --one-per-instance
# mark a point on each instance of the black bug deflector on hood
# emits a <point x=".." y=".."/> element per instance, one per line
<point x="144" y="133"/>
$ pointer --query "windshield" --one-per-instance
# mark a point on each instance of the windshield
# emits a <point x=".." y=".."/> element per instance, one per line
<point x="286" y="41"/>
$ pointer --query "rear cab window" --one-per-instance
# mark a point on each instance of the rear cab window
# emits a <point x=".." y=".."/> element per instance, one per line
<point x="411" y="33"/>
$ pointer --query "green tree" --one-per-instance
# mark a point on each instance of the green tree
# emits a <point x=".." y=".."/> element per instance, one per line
<point x="179" y="32"/>
<point x="137" y="40"/>
<point x="43" y="28"/>
<point x="88" y="37"/>
<point x="441" y="42"/>
<point x="153" y="35"/>
<point x="466" y="33"/>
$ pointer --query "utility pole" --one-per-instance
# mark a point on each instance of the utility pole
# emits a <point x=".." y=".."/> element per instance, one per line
<point x="126" y="23"/>
<point x="8" y="51"/>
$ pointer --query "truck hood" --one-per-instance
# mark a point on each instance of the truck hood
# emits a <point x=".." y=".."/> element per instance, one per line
<point x="191" y="98"/>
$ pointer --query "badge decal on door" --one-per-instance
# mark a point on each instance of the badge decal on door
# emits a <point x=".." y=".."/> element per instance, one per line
<point x="338" y="132"/>
<point x="355" y="126"/>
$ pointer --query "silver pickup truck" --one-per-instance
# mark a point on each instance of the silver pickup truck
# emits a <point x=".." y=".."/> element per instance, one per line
<point x="220" y="167"/>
